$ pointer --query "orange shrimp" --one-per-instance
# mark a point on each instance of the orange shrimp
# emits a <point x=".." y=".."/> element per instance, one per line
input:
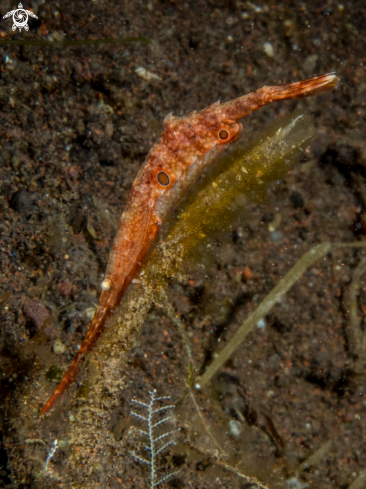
<point x="187" y="145"/>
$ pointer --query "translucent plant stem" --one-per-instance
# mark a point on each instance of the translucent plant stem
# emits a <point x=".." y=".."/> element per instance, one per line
<point x="359" y="483"/>
<point x="355" y="335"/>
<point x="316" y="457"/>
<point x="178" y="323"/>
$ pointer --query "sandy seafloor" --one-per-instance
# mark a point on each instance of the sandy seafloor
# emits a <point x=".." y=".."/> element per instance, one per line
<point x="76" y="123"/>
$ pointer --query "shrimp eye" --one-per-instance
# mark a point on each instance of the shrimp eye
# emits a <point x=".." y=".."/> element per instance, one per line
<point x="163" y="178"/>
<point x="224" y="134"/>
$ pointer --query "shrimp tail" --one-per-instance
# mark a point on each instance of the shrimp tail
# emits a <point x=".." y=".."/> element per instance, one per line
<point x="63" y="385"/>
<point x="92" y="336"/>
<point x="72" y="372"/>
<point x="305" y="88"/>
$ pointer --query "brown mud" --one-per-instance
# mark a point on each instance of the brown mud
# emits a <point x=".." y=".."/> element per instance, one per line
<point x="76" y="125"/>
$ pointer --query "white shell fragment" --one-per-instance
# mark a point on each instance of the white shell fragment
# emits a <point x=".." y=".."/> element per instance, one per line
<point x="268" y="49"/>
<point x="106" y="284"/>
<point x="58" y="347"/>
<point x="147" y="75"/>
<point x="235" y="427"/>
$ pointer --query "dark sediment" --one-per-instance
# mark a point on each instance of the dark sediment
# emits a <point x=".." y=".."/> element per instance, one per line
<point x="76" y="124"/>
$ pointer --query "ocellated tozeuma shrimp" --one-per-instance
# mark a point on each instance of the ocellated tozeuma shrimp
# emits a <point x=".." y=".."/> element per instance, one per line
<point x="186" y="146"/>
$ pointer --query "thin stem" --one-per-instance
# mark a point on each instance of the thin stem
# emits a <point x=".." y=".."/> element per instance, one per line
<point x="204" y="422"/>
<point x="282" y="287"/>
<point x="176" y="320"/>
<point x="151" y="438"/>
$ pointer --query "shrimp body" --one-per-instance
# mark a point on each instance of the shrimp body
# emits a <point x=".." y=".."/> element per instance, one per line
<point x="187" y="145"/>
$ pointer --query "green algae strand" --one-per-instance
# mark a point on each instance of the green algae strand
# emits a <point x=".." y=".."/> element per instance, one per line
<point x="244" y="175"/>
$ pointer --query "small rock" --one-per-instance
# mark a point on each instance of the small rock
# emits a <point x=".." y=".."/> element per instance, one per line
<point x="64" y="288"/>
<point x="23" y="203"/>
<point x="296" y="483"/>
<point x="58" y="347"/>
<point x="261" y="324"/>
<point x="276" y="236"/>
<point x="147" y="75"/>
<point x="109" y="130"/>
<point x="64" y="444"/>
<point x="275" y="223"/>
<point x="91" y="230"/>
<point x="235" y="427"/>
<point x="89" y="313"/>
<point x="268" y="49"/>
<point x="56" y="36"/>
<point x="35" y="313"/>
<point x="74" y="171"/>
<point x="247" y="273"/>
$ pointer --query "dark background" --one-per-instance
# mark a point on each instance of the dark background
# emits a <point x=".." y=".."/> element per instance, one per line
<point x="76" y="125"/>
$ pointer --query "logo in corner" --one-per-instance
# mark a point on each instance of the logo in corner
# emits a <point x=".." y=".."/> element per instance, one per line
<point x="20" y="18"/>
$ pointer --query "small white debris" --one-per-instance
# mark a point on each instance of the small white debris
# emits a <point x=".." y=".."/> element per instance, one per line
<point x="10" y="63"/>
<point x="50" y="455"/>
<point x="261" y="324"/>
<point x="106" y="284"/>
<point x="268" y="49"/>
<point x="91" y="230"/>
<point x="64" y="444"/>
<point x="275" y="223"/>
<point x="58" y="36"/>
<point x="257" y="8"/>
<point x="89" y="313"/>
<point x="235" y="427"/>
<point x="295" y="483"/>
<point x="276" y="236"/>
<point x="58" y="347"/>
<point x="147" y="75"/>
<point x="109" y="130"/>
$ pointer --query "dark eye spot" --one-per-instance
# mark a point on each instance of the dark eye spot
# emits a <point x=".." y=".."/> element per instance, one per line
<point x="163" y="178"/>
<point x="223" y="134"/>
